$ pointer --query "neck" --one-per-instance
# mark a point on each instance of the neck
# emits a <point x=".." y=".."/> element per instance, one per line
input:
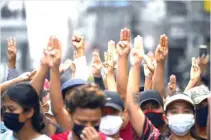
<point x="27" y="132"/>
<point x="176" y="137"/>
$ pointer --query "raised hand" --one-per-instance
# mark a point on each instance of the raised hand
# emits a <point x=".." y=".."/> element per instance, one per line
<point x="89" y="133"/>
<point x="137" y="51"/>
<point x="11" y="52"/>
<point x="195" y="72"/>
<point x="96" y="64"/>
<point x="112" y="49"/>
<point x="123" y="47"/>
<point x="172" y="85"/>
<point x="108" y="64"/>
<point x="203" y="62"/>
<point x="161" y="51"/>
<point x="150" y="61"/>
<point x="79" y="44"/>
<point x="25" y="76"/>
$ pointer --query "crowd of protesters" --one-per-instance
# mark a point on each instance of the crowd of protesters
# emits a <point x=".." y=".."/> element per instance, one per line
<point x="111" y="107"/>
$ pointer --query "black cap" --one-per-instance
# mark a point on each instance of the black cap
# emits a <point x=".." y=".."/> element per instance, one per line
<point x="148" y="95"/>
<point x="72" y="83"/>
<point x="114" y="100"/>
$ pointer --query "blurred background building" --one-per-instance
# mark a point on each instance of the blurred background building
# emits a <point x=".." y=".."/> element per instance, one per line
<point x="186" y="23"/>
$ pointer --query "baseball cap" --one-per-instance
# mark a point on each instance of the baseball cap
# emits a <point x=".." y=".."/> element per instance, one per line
<point x="199" y="93"/>
<point x="148" y="95"/>
<point x="72" y="83"/>
<point x="114" y="100"/>
<point x="177" y="97"/>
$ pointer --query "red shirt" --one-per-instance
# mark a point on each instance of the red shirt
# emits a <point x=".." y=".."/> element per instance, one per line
<point x="128" y="133"/>
<point x="68" y="135"/>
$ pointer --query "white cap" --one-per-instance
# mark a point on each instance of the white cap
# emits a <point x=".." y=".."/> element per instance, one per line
<point x="177" y="97"/>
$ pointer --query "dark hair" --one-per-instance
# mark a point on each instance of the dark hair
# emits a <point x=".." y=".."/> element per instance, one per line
<point x="87" y="96"/>
<point x="26" y="96"/>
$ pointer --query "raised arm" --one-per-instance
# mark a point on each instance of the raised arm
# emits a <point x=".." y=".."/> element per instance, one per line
<point x="96" y="69"/>
<point x="195" y="74"/>
<point x="22" y="78"/>
<point x="123" y="50"/>
<point x="161" y="54"/>
<point x="39" y="78"/>
<point x="136" y="115"/>
<point x="57" y="103"/>
<point x="11" y="71"/>
<point x="172" y="85"/>
<point x="109" y="70"/>
<point x="82" y="70"/>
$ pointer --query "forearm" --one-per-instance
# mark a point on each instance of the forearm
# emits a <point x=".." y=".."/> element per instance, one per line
<point x="111" y="83"/>
<point x="135" y="113"/>
<point x="158" y="79"/>
<point x="39" y="78"/>
<point x="122" y="75"/>
<point x="191" y="84"/>
<point x="148" y="83"/>
<point x="55" y="90"/>
<point x="4" y="86"/>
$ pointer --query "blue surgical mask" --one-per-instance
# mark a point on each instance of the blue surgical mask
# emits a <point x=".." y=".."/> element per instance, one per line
<point x="11" y="121"/>
<point x="201" y="116"/>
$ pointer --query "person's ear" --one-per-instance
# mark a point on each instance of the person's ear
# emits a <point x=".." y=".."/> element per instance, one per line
<point x="26" y="115"/>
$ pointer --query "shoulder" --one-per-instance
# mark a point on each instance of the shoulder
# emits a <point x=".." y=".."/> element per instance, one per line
<point x="7" y="135"/>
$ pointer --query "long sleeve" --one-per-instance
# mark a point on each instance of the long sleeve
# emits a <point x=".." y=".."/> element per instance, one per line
<point x="82" y="70"/>
<point x="10" y="73"/>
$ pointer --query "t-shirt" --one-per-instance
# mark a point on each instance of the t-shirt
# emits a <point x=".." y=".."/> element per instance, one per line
<point x="68" y="136"/>
<point x="128" y="133"/>
<point x="8" y="135"/>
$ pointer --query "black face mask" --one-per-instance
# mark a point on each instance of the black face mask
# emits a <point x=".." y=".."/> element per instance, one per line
<point x="11" y="121"/>
<point x="201" y="116"/>
<point x="77" y="129"/>
<point x="155" y="118"/>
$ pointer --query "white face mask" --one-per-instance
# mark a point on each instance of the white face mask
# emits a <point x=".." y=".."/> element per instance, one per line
<point x="180" y="124"/>
<point x="110" y="124"/>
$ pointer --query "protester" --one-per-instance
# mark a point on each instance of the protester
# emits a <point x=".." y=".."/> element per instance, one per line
<point x="151" y="104"/>
<point x="113" y="113"/>
<point x="200" y="95"/>
<point x="21" y="113"/>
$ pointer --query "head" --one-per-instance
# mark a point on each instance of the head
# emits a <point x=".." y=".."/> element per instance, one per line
<point x="151" y="104"/>
<point x="113" y="113"/>
<point x="85" y="107"/>
<point x="21" y="106"/>
<point x="176" y="107"/>
<point x="199" y="95"/>
<point x="69" y="87"/>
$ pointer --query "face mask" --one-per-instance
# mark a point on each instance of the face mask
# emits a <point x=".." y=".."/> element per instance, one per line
<point x="77" y="129"/>
<point x="155" y="118"/>
<point x="180" y="124"/>
<point x="110" y="124"/>
<point x="201" y="116"/>
<point x="11" y="121"/>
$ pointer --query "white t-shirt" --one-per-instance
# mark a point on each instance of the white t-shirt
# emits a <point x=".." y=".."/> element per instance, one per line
<point x="8" y="135"/>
